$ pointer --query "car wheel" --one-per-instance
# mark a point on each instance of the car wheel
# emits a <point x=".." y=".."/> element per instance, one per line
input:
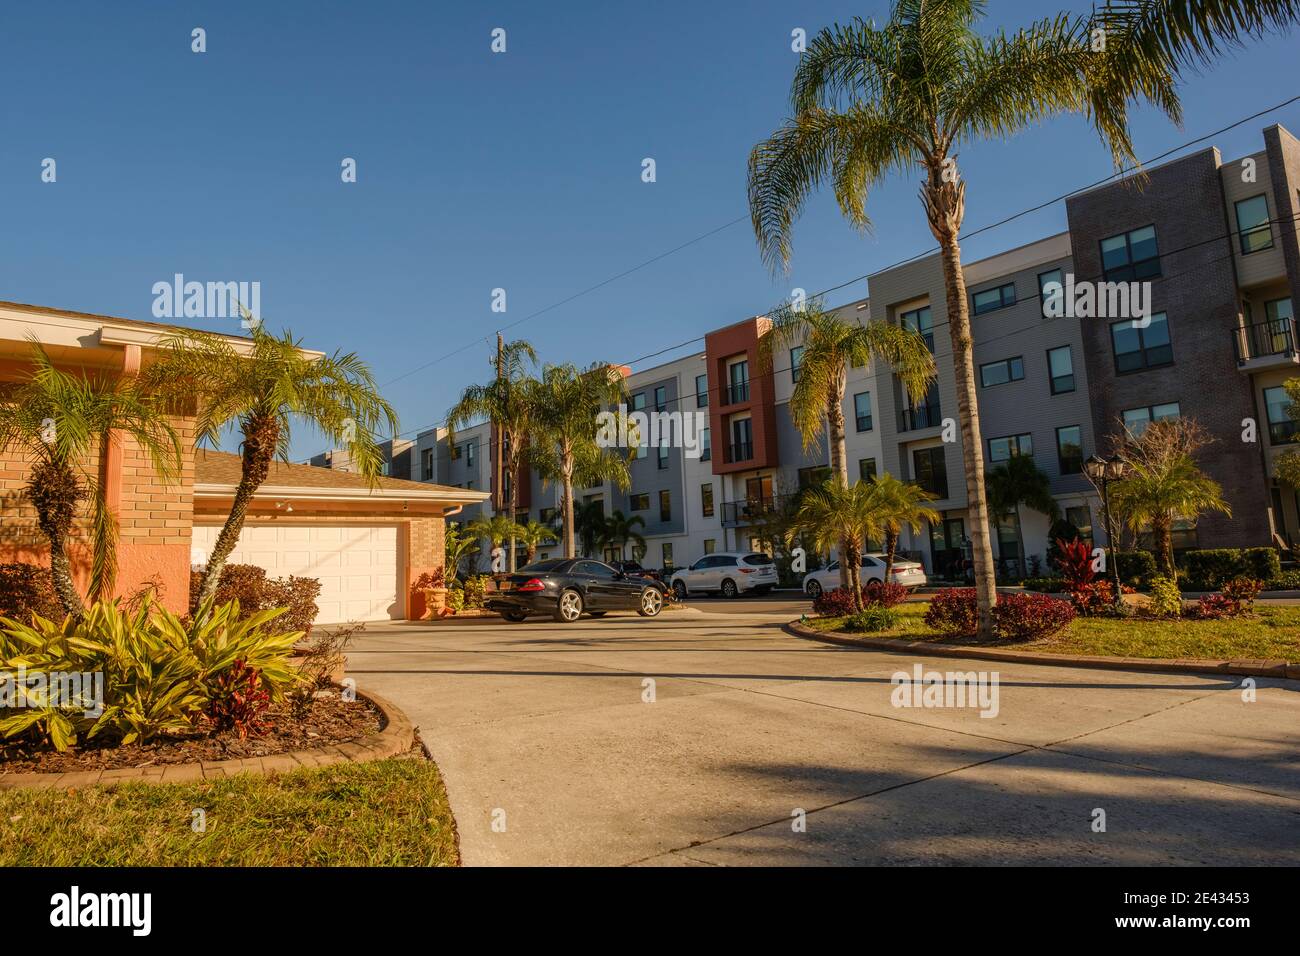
<point x="514" y="617"/>
<point x="814" y="589"/>
<point x="729" y="589"/>
<point x="569" y="608"/>
<point x="680" y="590"/>
<point x="652" y="602"/>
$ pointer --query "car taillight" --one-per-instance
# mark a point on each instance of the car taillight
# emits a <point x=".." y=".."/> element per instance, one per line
<point x="532" y="584"/>
<point x="746" y="570"/>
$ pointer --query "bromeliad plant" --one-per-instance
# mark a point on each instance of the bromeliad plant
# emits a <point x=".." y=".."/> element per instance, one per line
<point x="152" y="674"/>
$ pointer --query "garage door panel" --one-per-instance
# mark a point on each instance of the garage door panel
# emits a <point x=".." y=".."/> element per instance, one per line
<point x="357" y="565"/>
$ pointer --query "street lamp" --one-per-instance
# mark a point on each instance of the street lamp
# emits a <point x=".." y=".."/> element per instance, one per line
<point x="1101" y="472"/>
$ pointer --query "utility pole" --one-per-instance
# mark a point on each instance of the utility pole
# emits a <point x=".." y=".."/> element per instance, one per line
<point x="498" y="443"/>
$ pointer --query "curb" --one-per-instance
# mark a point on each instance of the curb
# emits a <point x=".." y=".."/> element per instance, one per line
<point x="1245" y="668"/>
<point x="395" y="737"/>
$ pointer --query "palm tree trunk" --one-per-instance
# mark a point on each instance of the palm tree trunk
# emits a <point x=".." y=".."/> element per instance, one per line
<point x="512" y="463"/>
<point x="55" y="492"/>
<point x="260" y="437"/>
<point x="839" y="459"/>
<point x="945" y="207"/>
<point x="891" y="545"/>
<point x="1163" y="539"/>
<point x="853" y="563"/>
<point x="566" y="501"/>
<point x="1020" y="542"/>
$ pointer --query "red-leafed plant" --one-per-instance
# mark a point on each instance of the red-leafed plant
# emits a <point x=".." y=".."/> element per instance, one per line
<point x="239" y="701"/>
<point x="1074" y="559"/>
<point x="836" y="603"/>
<point x="885" y="595"/>
<point x="953" y="611"/>
<point x="1023" y="617"/>
<point x="1243" y="591"/>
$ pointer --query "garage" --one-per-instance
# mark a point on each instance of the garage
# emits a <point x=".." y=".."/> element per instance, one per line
<point x="367" y="543"/>
<point x="357" y="565"/>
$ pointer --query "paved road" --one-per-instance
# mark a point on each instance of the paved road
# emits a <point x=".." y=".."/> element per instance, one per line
<point x="545" y="727"/>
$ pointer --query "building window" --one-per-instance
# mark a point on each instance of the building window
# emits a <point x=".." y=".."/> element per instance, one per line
<point x="866" y="469"/>
<point x="738" y="376"/>
<point x="668" y="556"/>
<point x="665" y="505"/>
<point x="706" y="445"/>
<point x="1137" y="348"/>
<point x="862" y="410"/>
<point x="663" y="457"/>
<point x="796" y="359"/>
<point x="469" y="454"/>
<point x="988" y="300"/>
<point x="930" y="470"/>
<point x="1069" y="449"/>
<point x="639" y="502"/>
<point x="1001" y="449"/>
<point x="701" y="391"/>
<point x="920" y="320"/>
<point x="1253" y="225"/>
<point x="1131" y="255"/>
<point x="638" y="402"/>
<point x="742" y="440"/>
<point x="999" y="373"/>
<point x="638" y="405"/>
<point x="710" y="545"/>
<point x="1051" y="292"/>
<point x="706" y="500"/>
<point x="1060" y="369"/>
<point x="426" y="464"/>
<point x="661" y="398"/>
<point x="1279" y="314"/>
<point x="1282" y="428"/>
<point x="1081" y="518"/>
<point x="1136" y="420"/>
<point x="814" y="476"/>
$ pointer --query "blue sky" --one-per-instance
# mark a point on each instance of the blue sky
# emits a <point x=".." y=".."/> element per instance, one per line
<point x="475" y="171"/>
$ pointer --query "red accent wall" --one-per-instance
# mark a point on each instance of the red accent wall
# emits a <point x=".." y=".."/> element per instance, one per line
<point x="720" y="346"/>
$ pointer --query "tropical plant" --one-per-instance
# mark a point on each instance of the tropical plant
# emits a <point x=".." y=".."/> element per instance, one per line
<point x="620" y="529"/>
<point x="1166" y="598"/>
<point x="60" y="420"/>
<point x="261" y="386"/>
<point x="1287" y="463"/>
<point x="1015" y="482"/>
<point x="902" y="505"/>
<point x="844" y="516"/>
<point x="531" y="534"/>
<point x="589" y="521"/>
<point x="831" y="344"/>
<point x="564" y="449"/>
<point x="1074" y="561"/>
<point x="497" y="530"/>
<point x="869" y="101"/>
<point x="458" y="544"/>
<point x="505" y="401"/>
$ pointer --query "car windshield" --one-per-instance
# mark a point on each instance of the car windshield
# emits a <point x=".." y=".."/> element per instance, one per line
<point x="757" y="559"/>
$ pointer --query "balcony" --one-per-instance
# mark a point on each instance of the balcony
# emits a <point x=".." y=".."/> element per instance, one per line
<point x="1266" y="345"/>
<point x="921" y="416"/>
<point x="749" y="510"/>
<point x="737" y="393"/>
<point x="741" y="451"/>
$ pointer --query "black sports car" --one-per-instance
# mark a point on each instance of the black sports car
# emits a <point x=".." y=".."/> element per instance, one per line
<point x="567" y="588"/>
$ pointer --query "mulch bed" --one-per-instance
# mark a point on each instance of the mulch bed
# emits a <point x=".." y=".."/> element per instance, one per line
<point x="331" y="720"/>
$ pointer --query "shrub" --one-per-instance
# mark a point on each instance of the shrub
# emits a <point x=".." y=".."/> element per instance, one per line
<point x="1060" y="532"/>
<point x="1214" y="607"/>
<point x="1243" y="591"/>
<point x="882" y="594"/>
<point x="476" y="590"/>
<point x="26" y="589"/>
<point x="297" y="596"/>
<point x="1023" y="617"/>
<point x="836" y="603"/>
<point x="1075" y="563"/>
<point x="1047" y="585"/>
<point x="455" y="600"/>
<point x="249" y="585"/>
<point x="239" y="701"/>
<point x="1093" y="599"/>
<point x="877" y="617"/>
<point x="1284" y="581"/>
<point x="1210" y="569"/>
<point x="1135" y="567"/>
<point x="1166" y="598"/>
<point x="953" y="611"/>
<point x="238" y="582"/>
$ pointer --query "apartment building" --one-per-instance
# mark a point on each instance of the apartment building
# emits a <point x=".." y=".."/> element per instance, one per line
<point x="1218" y="241"/>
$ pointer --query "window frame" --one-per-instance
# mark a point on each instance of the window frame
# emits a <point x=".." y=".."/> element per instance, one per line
<point x="1052" y="377"/>
<point x="1060" y="457"/>
<point x="1142" y="349"/>
<point x="858" y="416"/>
<point x="1016" y="438"/>
<point x="1007" y="362"/>
<point x="1242" y="233"/>
<point x="665" y="505"/>
<point x="1001" y="290"/>
<point x="1042" y="296"/>
<point x="1130" y="264"/>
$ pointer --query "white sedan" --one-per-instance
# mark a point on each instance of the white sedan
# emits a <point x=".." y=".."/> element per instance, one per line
<point x="910" y="574"/>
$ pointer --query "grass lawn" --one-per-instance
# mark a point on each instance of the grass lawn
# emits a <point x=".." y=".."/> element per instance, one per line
<point x="1272" y="631"/>
<point x="385" y="813"/>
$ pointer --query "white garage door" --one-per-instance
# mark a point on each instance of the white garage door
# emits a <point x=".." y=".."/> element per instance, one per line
<point x="356" y="565"/>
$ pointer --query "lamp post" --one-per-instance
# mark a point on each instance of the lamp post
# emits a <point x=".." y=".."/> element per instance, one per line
<point x="1101" y="472"/>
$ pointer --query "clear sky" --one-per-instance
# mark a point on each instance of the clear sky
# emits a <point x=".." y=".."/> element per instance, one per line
<point x="476" y="170"/>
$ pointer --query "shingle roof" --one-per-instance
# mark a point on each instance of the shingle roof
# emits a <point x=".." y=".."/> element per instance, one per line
<point x="223" y="468"/>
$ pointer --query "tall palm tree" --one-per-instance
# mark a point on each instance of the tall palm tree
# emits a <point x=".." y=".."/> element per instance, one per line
<point x="567" y="401"/>
<point x="497" y="529"/>
<point x="868" y="101"/>
<point x="589" y="521"/>
<point x="902" y="504"/>
<point x="60" y="420"/>
<point x="843" y="515"/>
<point x="261" y="389"/>
<point x="620" y="529"/>
<point x="830" y="345"/>
<point x="504" y="401"/>
<point x="1015" y="482"/>
<point x="531" y="534"/>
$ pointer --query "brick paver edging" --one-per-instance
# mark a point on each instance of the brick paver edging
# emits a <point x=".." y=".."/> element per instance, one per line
<point x="395" y="737"/>
<point x="1245" y="668"/>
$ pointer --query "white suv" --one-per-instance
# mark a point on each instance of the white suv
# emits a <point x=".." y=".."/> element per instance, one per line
<point x="910" y="574"/>
<point x="728" y="573"/>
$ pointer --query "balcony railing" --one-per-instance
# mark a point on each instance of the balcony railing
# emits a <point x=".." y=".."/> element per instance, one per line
<point x="741" y="451"/>
<point x="748" y="510"/>
<point x="1265" y="339"/>
<point x="921" y="416"/>
<point x="737" y="392"/>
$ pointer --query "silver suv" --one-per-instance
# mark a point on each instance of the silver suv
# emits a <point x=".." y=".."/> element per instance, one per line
<point x="727" y="573"/>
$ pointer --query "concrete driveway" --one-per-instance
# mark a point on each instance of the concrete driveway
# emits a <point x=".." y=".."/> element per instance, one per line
<point x="716" y="739"/>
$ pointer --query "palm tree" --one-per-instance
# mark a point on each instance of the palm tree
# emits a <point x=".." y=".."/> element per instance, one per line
<point x="563" y="433"/>
<point x="1018" y="481"/>
<point x="902" y="504"/>
<point x="504" y="401"/>
<point x="497" y="529"/>
<point x="871" y="101"/>
<point x="589" y="522"/>
<point x="620" y="529"/>
<point x="843" y="515"/>
<point x="261" y="388"/>
<point x="60" y="420"/>
<point x="830" y="345"/>
<point x="531" y="534"/>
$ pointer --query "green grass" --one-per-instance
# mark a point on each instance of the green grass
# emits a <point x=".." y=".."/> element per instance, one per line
<point x="385" y="813"/>
<point x="1272" y="631"/>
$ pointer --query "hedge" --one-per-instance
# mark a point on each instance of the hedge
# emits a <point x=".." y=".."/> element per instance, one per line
<point x="1209" y="570"/>
<point x="1135" y="567"/>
